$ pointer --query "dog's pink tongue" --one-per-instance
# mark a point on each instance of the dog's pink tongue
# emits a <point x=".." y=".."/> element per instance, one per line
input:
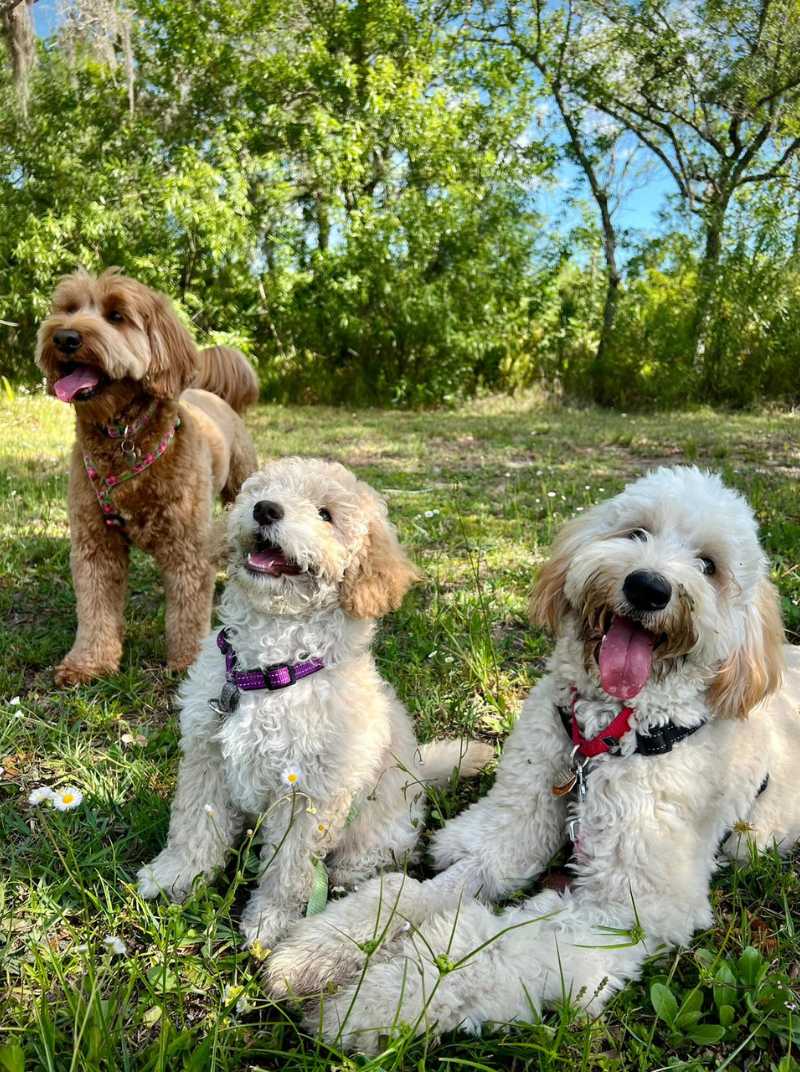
<point x="81" y="378"/>
<point x="626" y="656"/>
<point x="272" y="561"/>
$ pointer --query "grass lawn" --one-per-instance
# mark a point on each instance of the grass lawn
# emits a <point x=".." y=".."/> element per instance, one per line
<point x="477" y="493"/>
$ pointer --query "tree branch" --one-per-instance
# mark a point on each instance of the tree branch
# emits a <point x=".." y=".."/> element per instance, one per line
<point x="775" y="171"/>
<point x="7" y="6"/>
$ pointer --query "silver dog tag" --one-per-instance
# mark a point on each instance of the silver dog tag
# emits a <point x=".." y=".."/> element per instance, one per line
<point x="228" y="700"/>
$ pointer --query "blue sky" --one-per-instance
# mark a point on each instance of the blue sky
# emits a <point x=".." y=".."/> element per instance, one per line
<point x="45" y="17"/>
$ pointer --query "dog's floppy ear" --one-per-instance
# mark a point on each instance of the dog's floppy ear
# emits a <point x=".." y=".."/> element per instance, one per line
<point x="377" y="580"/>
<point x="753" y="672"/>
<point x="174" y="361"/>
<point x="548" y="604"/>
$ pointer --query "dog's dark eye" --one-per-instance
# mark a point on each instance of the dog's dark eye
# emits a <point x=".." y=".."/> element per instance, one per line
<point x="709" y="566"/>
<point x="114" y="316"/>
<point x="325" y="515"/>
<point x="71" y="308"/>
<point x="638" y="534"/>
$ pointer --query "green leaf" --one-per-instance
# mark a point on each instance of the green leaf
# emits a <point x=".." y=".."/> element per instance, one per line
<point x="692" y="1001"/>
<point x="750" y="966"/>
<point x="706" y="1034"/>
<point x="664" y="1002"/>
<point x="687" y="1019"/>
<point x="12" y="1058"/>
<point x="725" y="992"/>
<point x="727" y="1015"/>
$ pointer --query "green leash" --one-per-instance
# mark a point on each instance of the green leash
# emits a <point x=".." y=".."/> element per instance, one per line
<point x="319" y="890"/>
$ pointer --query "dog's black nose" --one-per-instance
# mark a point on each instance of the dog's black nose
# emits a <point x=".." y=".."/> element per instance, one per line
<point x="266" y="512"/>
<point x="67" y="341"/>
<point x="645" y="590"/>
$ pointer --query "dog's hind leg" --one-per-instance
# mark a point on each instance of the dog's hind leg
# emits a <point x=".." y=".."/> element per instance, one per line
<point x="243" y="462"/>
<point x="99" y="563"/>
<point x="772" y="736"/>
<point x="189" y="587"/>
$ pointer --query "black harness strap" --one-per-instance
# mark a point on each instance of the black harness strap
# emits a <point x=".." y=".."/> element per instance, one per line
<point x="657" y="743"/>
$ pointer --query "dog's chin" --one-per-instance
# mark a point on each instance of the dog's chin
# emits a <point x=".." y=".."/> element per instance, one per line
<point x="274" y="583"/>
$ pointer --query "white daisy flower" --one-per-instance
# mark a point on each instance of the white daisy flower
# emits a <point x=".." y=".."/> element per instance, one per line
<point x="67" y="798"/>
<point x="15" y="701"/>
<point x="209" y="809"/>
<point x="133" y="738"/>
<point x="115" y="945"/>
<point x="292" y="776"/>
<point x="40" y="795"/>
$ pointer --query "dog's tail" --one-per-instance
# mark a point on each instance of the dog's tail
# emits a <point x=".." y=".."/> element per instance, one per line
<point x="226" y="372"/>
<point x="439" y="759"/>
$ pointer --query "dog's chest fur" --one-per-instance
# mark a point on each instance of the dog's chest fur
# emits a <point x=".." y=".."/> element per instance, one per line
<point x="310" y="732"/>
<point x="331" y="728"/>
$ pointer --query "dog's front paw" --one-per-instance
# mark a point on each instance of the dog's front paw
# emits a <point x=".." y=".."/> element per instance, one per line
<point x="361" y="1016"/>
<point x="168" y="873"/>
<point x="180" y="664"/>
<point x="333" y="947"/>
<point x="314" y="955"/>
<point x="264" y="923"/>
<point x="181" y="657"/>
<point x="71" y="672"/>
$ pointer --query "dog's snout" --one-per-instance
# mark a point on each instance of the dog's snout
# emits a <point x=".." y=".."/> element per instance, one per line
<point x="266" y="512"/>
<point x="646" y="590"/>
<point x="66" y="340"/>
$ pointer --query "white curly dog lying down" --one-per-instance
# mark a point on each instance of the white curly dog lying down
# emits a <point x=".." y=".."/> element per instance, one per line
<point x="284" y="715"/>
<point x="669" y="633"/>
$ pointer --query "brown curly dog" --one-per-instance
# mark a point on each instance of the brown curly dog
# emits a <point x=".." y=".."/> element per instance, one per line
<point x="149" y="457"/>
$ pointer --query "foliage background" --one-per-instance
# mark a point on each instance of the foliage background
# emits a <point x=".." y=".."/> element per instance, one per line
<point x="412" y="201"/>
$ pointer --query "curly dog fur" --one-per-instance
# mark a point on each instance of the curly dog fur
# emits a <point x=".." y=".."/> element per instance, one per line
<point x="649" y="827"/>
<point x="123" y="342"/>
<point x="330" y="765"/>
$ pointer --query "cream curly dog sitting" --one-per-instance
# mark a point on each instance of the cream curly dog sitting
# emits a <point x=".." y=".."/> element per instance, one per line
<point x="636" y="743"/>
<point x="301" y="729"/>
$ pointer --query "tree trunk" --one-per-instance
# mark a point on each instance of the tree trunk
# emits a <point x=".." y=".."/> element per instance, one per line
<point x="703" y="358"/>
<point x="323" y="224"/>
<point x="16" y="27"/>
<point x="601" y="380"/>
